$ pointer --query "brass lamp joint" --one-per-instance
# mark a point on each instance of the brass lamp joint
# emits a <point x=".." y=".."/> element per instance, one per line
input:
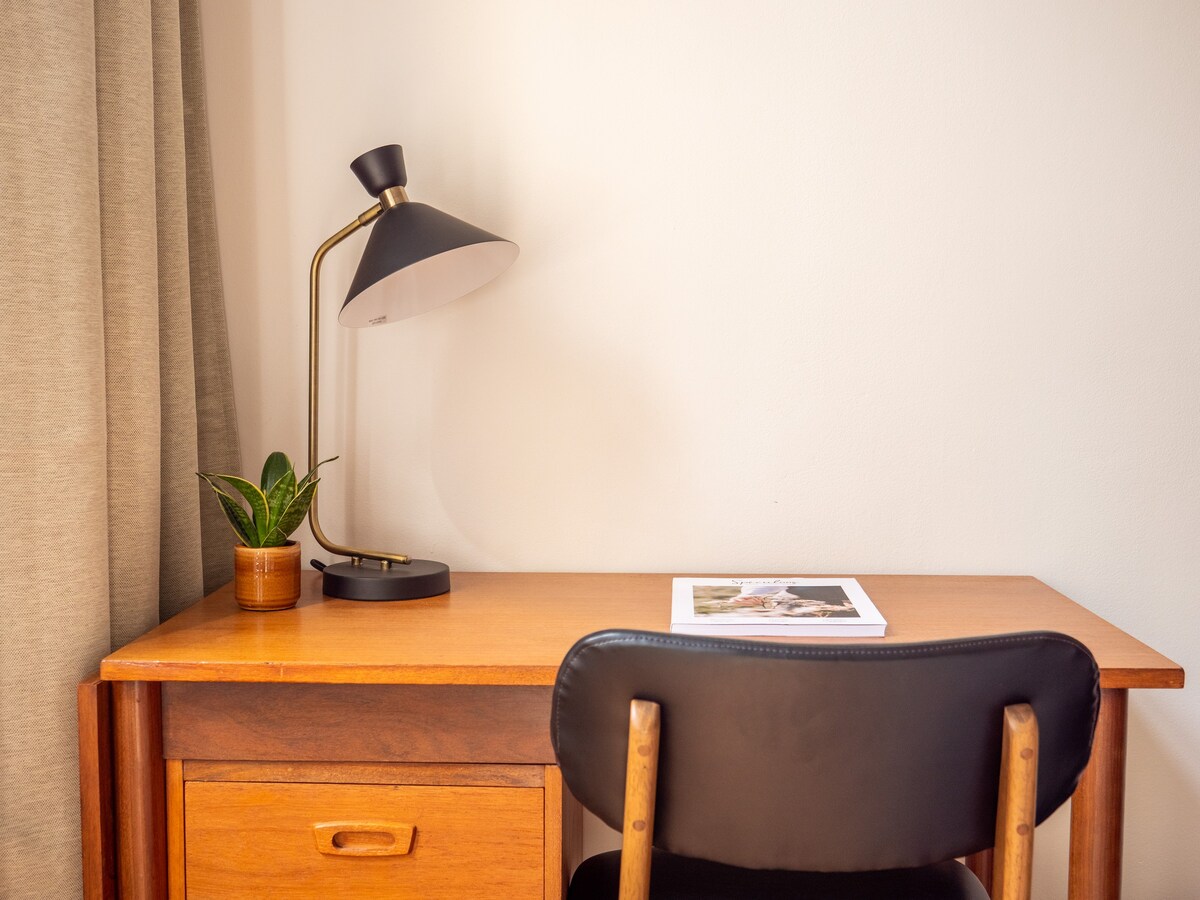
<point x="393" y="196"/>
<point x="361" y="222"/>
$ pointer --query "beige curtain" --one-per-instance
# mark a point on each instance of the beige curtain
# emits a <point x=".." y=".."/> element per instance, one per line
<point x="114" y="380"/>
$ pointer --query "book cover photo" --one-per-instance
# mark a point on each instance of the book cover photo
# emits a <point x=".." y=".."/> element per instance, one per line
<point x="802" y="607"/>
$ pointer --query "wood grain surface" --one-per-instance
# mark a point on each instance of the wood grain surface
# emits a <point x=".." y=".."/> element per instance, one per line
<point x="139" y="790"/>
<point x="176" y="882"/>
<point x="641" y="788"/>
<point x="515" y="628"/>
<point x="468" y="775"/>
<point x="247" y="841"/>
<point x="1012" y="878"/>
<point x="442" y="723"/>
<point x="1098" y="807"/>
<point x="982" y="864"/>
<point x="554" y="876"/>
<point x="96" y="790"/>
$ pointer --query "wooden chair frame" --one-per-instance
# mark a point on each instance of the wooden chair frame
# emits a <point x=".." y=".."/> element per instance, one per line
<point x="1015" y="810"/>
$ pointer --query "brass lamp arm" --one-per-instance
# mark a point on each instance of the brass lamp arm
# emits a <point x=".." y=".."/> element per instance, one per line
<point x="356" y="555"/>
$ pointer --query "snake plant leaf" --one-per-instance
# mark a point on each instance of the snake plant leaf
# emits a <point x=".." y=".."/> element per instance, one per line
<point x="293" y="515"/>
<point x="307" y="478"/>
<point x="275" y="539"/>
<point x="279" y="497"/>
<point x="238" y="520"/>
<point x="276" y="467"/>
<point x="254" y="496"/>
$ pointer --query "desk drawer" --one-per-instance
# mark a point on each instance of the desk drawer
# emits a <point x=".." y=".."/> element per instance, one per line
<point x="255" y="840"/>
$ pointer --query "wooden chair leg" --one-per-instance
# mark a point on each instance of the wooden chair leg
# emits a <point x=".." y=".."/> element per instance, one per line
<point x="641" y="776"/>
<point x="1017" y="808"/>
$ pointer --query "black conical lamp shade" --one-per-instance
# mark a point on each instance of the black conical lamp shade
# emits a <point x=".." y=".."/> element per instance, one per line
<point x="417" y="259"/>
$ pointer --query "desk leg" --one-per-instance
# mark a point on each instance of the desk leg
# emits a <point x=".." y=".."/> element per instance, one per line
<point x="140" y="779"/>
<point x="1098" y="807"/>
<point x="96" y="790"/>
<point x="981" y="864"/>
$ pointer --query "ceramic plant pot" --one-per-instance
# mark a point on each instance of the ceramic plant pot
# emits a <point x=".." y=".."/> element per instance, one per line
<point x="266" y="578"/>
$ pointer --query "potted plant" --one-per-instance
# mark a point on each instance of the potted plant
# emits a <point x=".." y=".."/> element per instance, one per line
<point x="266" y="564"/>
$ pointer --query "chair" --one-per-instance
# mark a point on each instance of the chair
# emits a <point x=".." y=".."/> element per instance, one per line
<point x="744" y="769"/>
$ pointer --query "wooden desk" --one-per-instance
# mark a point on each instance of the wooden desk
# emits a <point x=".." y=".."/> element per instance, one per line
<point x="234" y="733"/>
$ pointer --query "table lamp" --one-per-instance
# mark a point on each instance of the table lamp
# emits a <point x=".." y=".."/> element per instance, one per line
<point x="417" y="258"/>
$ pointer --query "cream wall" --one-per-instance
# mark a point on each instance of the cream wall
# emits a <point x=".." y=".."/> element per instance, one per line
<point x="813" y="287"/>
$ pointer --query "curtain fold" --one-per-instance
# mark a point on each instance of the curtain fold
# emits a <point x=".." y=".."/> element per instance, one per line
<point x="115" y="384"/>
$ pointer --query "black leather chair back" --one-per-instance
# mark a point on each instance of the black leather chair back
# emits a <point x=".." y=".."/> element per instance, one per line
<point x="822" y="757"/>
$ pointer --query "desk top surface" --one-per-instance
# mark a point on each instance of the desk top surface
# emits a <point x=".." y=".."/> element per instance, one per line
<point x="514" y="628"/>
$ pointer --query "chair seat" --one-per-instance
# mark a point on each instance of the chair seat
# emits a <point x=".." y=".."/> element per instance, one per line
<point x="682" y="878"/>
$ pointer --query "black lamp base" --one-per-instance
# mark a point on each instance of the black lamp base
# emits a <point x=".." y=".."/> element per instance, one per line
<point x="419" y="578"/>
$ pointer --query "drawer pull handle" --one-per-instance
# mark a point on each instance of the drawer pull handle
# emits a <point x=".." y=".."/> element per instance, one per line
<point x="363" y="838"/>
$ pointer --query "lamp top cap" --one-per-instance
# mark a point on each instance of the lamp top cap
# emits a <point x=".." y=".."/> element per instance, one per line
<point x="381" y="168"/>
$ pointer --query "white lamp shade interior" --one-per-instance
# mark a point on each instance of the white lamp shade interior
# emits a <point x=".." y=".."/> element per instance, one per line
<point x="428" y="284"/>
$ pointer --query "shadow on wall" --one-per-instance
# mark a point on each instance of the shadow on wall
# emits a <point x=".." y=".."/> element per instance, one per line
<point x="1162" y="792"/>
<point x="533" y="433"/>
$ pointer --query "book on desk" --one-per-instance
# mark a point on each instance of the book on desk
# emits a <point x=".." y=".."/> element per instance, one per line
<point x="800" y="607"/>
